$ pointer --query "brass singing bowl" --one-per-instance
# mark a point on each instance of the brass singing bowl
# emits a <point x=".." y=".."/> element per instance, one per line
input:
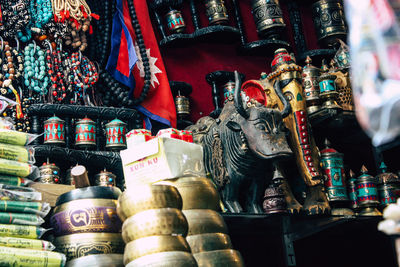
<point x="80" y="245"/>
<point x="83" y="203"/>
<point x="205" y="222"/>
<point x="162" y="259"/>
<point x="101" y="260"/>
<point x="219" y="258"/>
<point x="196" y="192"/>
<point x="165" y="221"/>
<point x="147" y="197"/>
<point x="154" y="244"/>
<point x="209" y="242"/>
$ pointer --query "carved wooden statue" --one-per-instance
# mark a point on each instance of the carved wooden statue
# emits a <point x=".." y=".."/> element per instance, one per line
<point x="240" y="149"/>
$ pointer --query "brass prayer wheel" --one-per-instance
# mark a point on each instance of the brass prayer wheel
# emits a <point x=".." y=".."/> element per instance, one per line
<point x="175" y="22"/>
<point x="209" y="242"/>
<point x="203" y="221"/>
<point x="388" y="186"/>
<point x="49" y="173"/>
<point x="85" y="133"/>
<point x="145" y="197"/>
<point x="155" y="222"/>
<point x="196" y="192"/>
<point x="225" y="257"/>
<point x="162" y="259"/>
<point x="268" y="17"/>
<point x="154" y="244"/>
<point x="115" y="135"/>
<point x="105" y="178"/>
<point x="311" y="87"/>
<point x="182" y="105"/>
<point x="216" y="12"/>
<point x="327" y="87"/>
<point x="54" y="131"/>
<point x="329" y="21"/>
<point x="353" y="190"/>
<point x="80" y="245"/>
<point x="274" y="200"/>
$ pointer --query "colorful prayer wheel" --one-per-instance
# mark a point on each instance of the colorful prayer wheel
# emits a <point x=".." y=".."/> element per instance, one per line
<point x="229" y="89"/>
<point x="352" y="189"/>
<point x="105" y="178"/>
<point x="311" y="87"/>
<point x="388" y="186"/>
<point x="49" y="173"/>
<point x="175" y="22"/>
<point x="268" y="17"/>
<point x="54" y="131"/>
<point x="329" y="21"/>
<point x="216" y="12"/>
<point x="115" y="135"/>
<point x="85" y="133"/>
<point x="327" y="87"/>
<point x="367" y="193"/>
<point x="333" y="167"/>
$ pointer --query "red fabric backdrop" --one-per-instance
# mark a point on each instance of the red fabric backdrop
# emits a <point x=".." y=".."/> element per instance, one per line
<point x="191" y="63"/>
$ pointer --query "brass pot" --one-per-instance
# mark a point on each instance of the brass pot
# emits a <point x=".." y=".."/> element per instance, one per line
<point x="155" y="222"/>
<point x="209" y="242"/>
<point x="219" y="258"/>
<point x="80" y="245"/>
<point x="101" y="260"/>
<point x="196" y="192"/>
<point x="204" y="222"/>
<point x="154" y="244"/>
<point x="146" y="197"/>
<point x="162" y="259"/>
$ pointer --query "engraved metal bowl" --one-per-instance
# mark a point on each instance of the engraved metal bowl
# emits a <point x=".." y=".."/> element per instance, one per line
<point x="209" y="242"/>
<point x="154" y="244"/>
<point x="165" y="221"/>
<point x="80" y="245"/>
<point x="146" y="197"/>
<point x="101" y="260"/>
<point x="219" y="258"/>
<point x="196" y="192"/>
<point x="162" y="259"/>
<point x="204" y="222"/>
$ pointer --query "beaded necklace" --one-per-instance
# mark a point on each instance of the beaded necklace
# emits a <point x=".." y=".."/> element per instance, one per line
<point x="15" y="16"/>
<point x="41" y="13"/>
<point x="54" y="59"/>
<point x="35" y="69"/>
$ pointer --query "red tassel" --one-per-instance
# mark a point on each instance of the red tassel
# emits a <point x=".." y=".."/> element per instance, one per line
<point x="90" y="29"/>
<point x="95" y="16"/>
<point x="67" y="14"/>
<point x="77" y="24"/>
<point x="55" y="18"/>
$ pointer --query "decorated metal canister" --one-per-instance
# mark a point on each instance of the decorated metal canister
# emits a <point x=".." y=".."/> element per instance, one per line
<point x="229" y="89"/>
<point x="182" y="105"/>
<point x="169" y="133"/>
<point x="329" y="21"/>
<point x="388" y="186"/>
<point x="54" y="132"/>
<point x="333" y="167"/>
<point x="85" y="133"/>
<point x="49" y="173"/>
<point x="352" y="189"/>
<point x="105" y="178"/>
<point x="327" y="87"/>
<point x="216" y="12"/>
<point x="175" y="22"/>
<point x="137" y="136"/>
<point x="367" y="193"/>
<point x="311" y="87"/>
<point x="268" y="17"/>
<point x="116" y="135"/>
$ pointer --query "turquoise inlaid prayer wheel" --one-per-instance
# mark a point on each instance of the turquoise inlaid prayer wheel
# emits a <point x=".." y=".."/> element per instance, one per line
<point x="85" y="133"/>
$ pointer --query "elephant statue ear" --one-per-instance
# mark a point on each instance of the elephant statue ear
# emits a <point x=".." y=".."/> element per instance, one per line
<point x="255" y="90"/>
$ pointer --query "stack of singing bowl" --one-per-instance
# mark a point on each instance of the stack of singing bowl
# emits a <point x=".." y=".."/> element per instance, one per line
<point x="208" y="234"/>
<point x="86" y="223"/>
<point x="154" y="227"/>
